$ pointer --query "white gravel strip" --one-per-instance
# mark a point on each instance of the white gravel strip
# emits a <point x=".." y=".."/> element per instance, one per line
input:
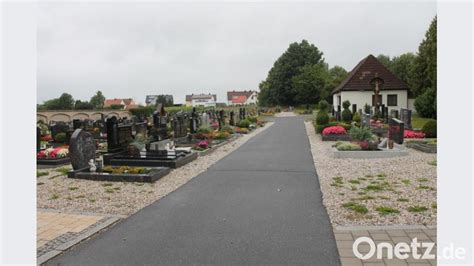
<point x="407" y="181"/>
<point x="56" y="191"/>
<point x="285" y="114"/>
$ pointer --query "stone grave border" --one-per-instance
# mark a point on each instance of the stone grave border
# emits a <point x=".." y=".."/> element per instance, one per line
<point x="155" y="174"/>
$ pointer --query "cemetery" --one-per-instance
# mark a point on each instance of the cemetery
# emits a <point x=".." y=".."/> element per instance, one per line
<point x="139" y="148"/>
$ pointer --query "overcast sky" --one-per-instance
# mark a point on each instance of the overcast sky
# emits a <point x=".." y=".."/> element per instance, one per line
<point x="134" y="49"/>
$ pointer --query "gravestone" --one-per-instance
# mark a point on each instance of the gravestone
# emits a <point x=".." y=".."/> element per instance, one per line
<point x="57" y="128"/>
<point x="38" y="139"/>
<point x="394" y="113"/>
<point x="179" y="125"/>
<point x="231" y="119"/>
<point x="205" y="120"/>
<point x="241" y="116"/>
<point x="76" y="123"/>
<point x="118" y="137"/>
<point x="405" y="117"/>
<point x="354" y="108"/>
<point x="333" y="112"/>
<point x="338" y="113"/>
<point x="244" y="112"/>
<point x="383" y="111"/>
<point x="81" y="149"/>
<point x="386" y="114"/>
<point x="395" y="130"/>
<point x="222" y="117"/>
<point x="160" y="124"/>
<point x="365" y="121"/>
<point x="194" y="121"/>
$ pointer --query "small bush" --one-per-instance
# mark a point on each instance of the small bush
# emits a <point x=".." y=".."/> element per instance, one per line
<point x="346" y="104"/>
<point x="60" y="137"/>
<point x="252" y="119"/>
<point x="430" y="129"/>
<point x="323" y="105"/>
<point x="360" y="133"/>
<point x="322" y="118"/>
<point x="348" y="147"/>
<point x="425" y="104"/>
<point x="245" y="123"/>
<point x="204" y="130"/>
<point x="346" y="115"/>
<point x="228" y="129"/>
<point x="417" y="209"/>
<point x="356" y="117"/>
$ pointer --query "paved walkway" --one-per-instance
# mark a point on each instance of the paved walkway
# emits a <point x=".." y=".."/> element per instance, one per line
<point x="259" y="205"/>
<point x="58" y="231"/>
<point x="345" y="237"/>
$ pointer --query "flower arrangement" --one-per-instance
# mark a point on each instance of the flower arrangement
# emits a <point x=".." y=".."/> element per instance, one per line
<point x="46" y="138"/>
<point x="241" y="130"/>
<point x="334" y="130"/>
<point x="60" y="152"/>
<point x="410" y="134"/>
<point x="215" y="125"/>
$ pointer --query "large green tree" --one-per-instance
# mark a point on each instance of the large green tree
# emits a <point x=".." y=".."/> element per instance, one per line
<point x="64" y="102"/>
<point x="278" y="88"/>
<point x="98" y="100"/>
<point x="402" y="66"/>
<point x="311" y="85"/>
<point x="424" y="76"/>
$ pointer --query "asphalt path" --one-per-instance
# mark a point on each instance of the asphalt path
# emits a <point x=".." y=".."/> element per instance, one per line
<point x="261" y="204"/>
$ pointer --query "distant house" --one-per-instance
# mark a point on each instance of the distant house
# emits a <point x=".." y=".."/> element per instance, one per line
<point x="242" y="97"/>
<point x="359" y="86"/>
<point x="151" y="100"/>
<point x="127" y="103"/>
<point x="207" y="100"/>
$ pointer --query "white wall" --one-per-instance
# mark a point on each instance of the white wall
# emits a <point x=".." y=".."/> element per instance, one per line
<point x="365" y="97"/>
<point x="411" y="104"/>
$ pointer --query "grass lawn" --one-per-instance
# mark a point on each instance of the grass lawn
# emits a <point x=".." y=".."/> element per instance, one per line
<point x="418" y="122"/>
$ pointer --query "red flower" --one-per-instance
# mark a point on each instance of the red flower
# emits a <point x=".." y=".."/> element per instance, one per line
<point x="46" y="138"/>
<point x="410" y="134"/>
<point x="337" y="130"/>
<point x="41" y="154"/>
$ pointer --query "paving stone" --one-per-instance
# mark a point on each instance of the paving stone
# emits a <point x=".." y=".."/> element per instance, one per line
<point x="430" y="232"/>
<point x="346" y="253"/>
<point x="395" y="262"/>
<point x="344" y="243"/>
<point x="399" y="239"/>
<point x="396" y="233"/>
<point x="343" y="236"/>
<point x="419" y="236"/>
<point x="350" y="262"/>
<point x="382" y="236"/>
<point x="360" y="233"/>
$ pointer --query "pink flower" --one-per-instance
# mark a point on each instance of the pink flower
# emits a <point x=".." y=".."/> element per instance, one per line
<point x="203" y="144"/>
<point x="337" y="130"/>
<point x="410" y="134"/>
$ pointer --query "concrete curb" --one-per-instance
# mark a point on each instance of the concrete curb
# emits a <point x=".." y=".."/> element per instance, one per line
<point x="383" y="227"/>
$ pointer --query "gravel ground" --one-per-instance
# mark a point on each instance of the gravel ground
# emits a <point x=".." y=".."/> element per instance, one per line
<point x="367" y="184"/>
<point x="56" y="191"/>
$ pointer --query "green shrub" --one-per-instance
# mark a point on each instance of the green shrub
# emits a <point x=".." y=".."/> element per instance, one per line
<point x="323" y="105"/>
<point x="359" y="208"/>
<point x="60" y="137"/>
<point x="348" y="147"/>
<point x="425" y="104"/>
<point x="245" y="123"/>
<point x="322" y="118"/>
<point x="228" y="129"/>
<point x="366" y="109"/>
<point x="430" y="128"/>
<point x="204" y="130"/>
<point x="360" y="133"/>
<point x="356" y="117"/>
<point x="346" y="104"/>
<point x="252" y="119"/>
<point x="346" y="115"/>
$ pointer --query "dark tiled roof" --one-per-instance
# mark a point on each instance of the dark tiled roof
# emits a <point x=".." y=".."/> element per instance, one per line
<point x="232" y="94"/>
<point x="367" y="69"/>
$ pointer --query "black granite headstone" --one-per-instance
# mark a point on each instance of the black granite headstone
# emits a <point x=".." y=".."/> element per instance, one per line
<point x="395" y="130"/>
<point x="394" y="113"/>
<point x="38" y="139"/>
<point x="354" y="108"/>
<point x="81" y="149"/>
<point x="405" y="116"/>
<point x="231" y="119"/>
<point x="338" y="113"/>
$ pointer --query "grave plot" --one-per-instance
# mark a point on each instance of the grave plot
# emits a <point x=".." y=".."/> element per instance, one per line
<point x="85" y="166"/>
<point x="154" y="149"/>
<point x="48" y="154"/>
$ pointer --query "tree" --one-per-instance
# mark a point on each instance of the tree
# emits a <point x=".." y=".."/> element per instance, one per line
<point x="83" y="105"/>
<point x="425" y="63"/>
<point x="166" y="101"/>
<point x="66" y="101"/>
<point x="279" y="83"/>
<point x="425" y="104"/>
<point x="311" y="85"/>
<point x="403" y="66"/>
<point x="385" y="60"/>
<point x="98" y="100"/>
